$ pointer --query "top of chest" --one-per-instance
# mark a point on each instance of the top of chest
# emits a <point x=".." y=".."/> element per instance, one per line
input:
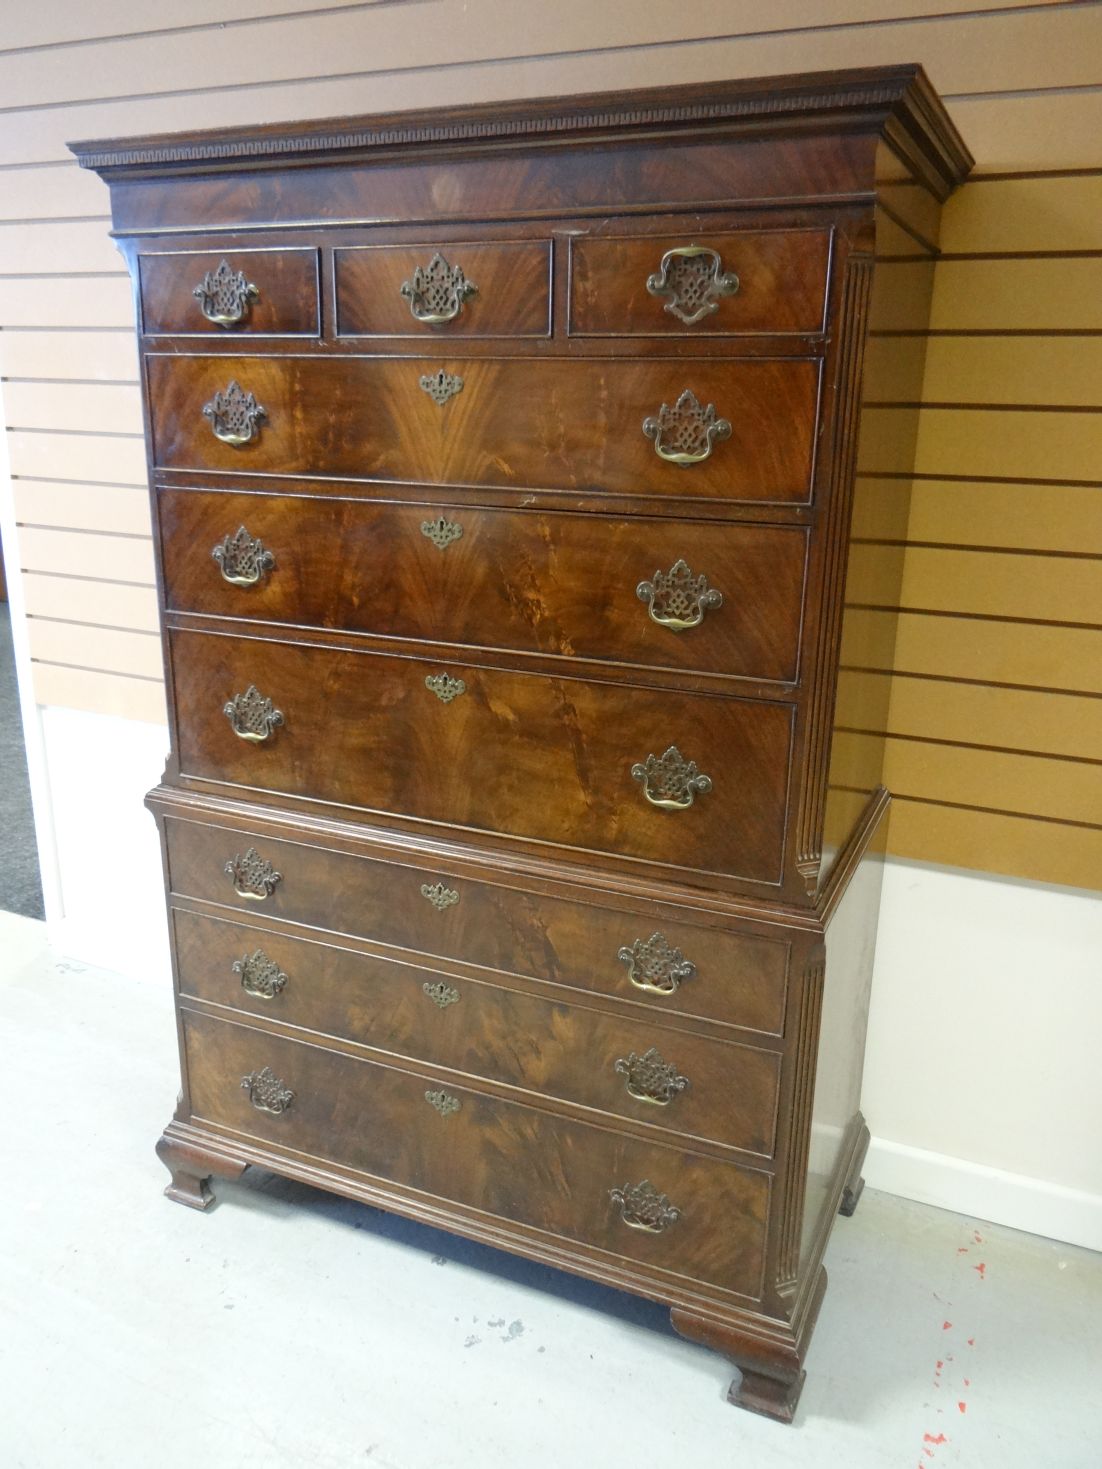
<point x="823" y="138"/>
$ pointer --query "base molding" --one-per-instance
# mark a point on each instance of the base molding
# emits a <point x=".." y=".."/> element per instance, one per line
<point x="1015" y="1199"/>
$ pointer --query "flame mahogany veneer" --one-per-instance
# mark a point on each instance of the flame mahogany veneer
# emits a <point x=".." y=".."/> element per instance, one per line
<point x="502" y="461"/>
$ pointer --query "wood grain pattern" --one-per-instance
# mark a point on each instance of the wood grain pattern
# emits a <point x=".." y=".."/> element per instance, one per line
<point x="286" y="283"/>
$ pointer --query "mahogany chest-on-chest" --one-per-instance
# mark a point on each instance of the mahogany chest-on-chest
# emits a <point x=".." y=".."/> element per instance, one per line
<point x="523" y="817"/>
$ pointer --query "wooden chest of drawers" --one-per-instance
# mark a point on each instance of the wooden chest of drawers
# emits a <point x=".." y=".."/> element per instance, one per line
<point x="503" y="465"/>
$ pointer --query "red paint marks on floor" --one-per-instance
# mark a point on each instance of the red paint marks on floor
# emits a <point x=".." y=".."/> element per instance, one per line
<point x="981" y="1270"/>
<point x="963" y="1250"/>
<point x="963" y="1407"/>
<point x="945" y="1325"/>
<point x="929" y="1438"/>
<point x="939" y="1366"/>
<point x="971" y="1341"/>
<point x="977" y="1236"/>
<point x="968" y="1382"/>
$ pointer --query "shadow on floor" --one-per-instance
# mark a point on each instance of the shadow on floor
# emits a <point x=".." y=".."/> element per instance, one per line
<point x="20" y="884"/>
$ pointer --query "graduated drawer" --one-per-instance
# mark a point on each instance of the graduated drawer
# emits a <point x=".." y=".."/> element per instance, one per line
<point x="377" y="289"/>
<point x="499" y="1157"/>
<point x="283" y="302"/>
<point x="734" y="283"/>
<point x="574" y="425"/>
<point x="734" y="978"/>
<point x="549" y="759"/>
<point x="531" y="582"/>
<point x="712" y="1089"/>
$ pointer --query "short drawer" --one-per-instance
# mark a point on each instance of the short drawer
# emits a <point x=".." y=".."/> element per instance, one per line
<point x="657" y="593"/>
<point x="259" y="293"/>
<point x="452" y="289"/>
<point x="705" y="1218"/>
<point x="670" y="1079"/>
<point x="685" y="780"/>
<point x="731" y="284"/>
<point x="658" y="966"/>
<point x="592" y="425"/>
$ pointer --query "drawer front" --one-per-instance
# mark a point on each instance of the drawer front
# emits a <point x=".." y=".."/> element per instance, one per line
<point x="534" y="583"/>
<point x="390" y="290"/>
<point x="749" y="281"/>
<point x="555" y="760"/>
<point x="738" y="979"/>
<point x="262" y="293"/>
<point x="557" y="425"/>
<point x="499" y="1157"/>
<point x="716" y="1090"/>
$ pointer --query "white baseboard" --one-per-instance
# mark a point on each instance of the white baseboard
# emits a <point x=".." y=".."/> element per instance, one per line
<point x="1029" y="1204"/>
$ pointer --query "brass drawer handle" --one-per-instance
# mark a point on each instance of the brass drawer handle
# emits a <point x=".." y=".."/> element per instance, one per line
<point x="437" y="291"/>
<point x="253" y="877"/>
<point x="439" y="896"/>
<point x="242" y="559"/>
<point x="670" y="781"/>
<point x="695" y="281"/>
<point x="445" y="687"/>
<point x="677" y="599"/>
<point x="442" y="995"/>
<point x="253" y="717"/>
<point x="685" y="433"/>
<point x="266" y="1092"/>
<point x="643" y="1207"/>
<point x="655" y="966"/>
<point x="224" y="295"/>
<point x="650" y="1078"/>
<point x="260" y="976"/>
<point x="444" y="1102"/>
<point x="441" y="386"/>
<point x="441" y="532"/>
<point x="235" y="416"/>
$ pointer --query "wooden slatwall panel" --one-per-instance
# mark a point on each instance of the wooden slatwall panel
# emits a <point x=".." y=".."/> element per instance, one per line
<point x="990" y="720"/>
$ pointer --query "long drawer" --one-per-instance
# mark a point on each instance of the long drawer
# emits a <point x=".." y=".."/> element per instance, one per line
<point x="575" y="425"/>
<point x="671" y="968"/>
<point x="565" y="761"/>
<point x="706" y="1217"/>
<point x="520" y="580"/>
<point x="670" y="1079"/>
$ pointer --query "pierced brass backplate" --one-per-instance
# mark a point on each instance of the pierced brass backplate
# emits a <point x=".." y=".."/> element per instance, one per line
<point x="442" y="995"/>
<point x="441" y="532"/>
<point x="671" y="781"/>
<point x="439" y="896"/>
<point x="694" y="280"/>
<point x="242" y="559"/>
<point x="441" y="386"/>
<point x="253" y="876"/>
<point x="655" y="966"/>
<point x="676" y="598"/>
<point x="437" y="291"/>
<point x="685" y="433"/>
<point x="224" y="295"/>
<point x="266" y="1092"/>
<point x="235" y="416"/>
<point x="650" y="1078"/>
<point x="643" y="1207"/>
<point x="445" y="687"/>
<point x="260" y="976"/>
<point x="444" y="1102"/>
<point x="253" y="717"/>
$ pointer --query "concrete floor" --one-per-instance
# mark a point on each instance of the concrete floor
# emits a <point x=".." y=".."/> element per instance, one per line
<point x="288" y="1328"/>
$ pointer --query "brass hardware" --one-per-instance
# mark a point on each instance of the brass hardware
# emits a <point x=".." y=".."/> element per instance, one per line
<point x="242" y="559"/>
<point x="694" y="279"/>
<point x="676" y="598"/>
<point x="224" y="295"/>
<point x="444" y="1103"/>
<point x="437" y="291"/>
<point x="441" y="386"/>
<point x="439" y="896"/>
<point x="650" y="1079"/>
<point x="253" y="877"/>
<point x="252" y="716"/>
<point x="234" y="415"/>
<point x="684" y="434"/>
<point x="445" y="687"/>
<point x="266" y="1092"/>
<point x="671" y="781"/>
<point x="655" y="966"/>
<point x="643" y="1207"/>
<point x="442" y="995"/>
<point x="260" y="976"/>
<point x="441" y="532"/>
